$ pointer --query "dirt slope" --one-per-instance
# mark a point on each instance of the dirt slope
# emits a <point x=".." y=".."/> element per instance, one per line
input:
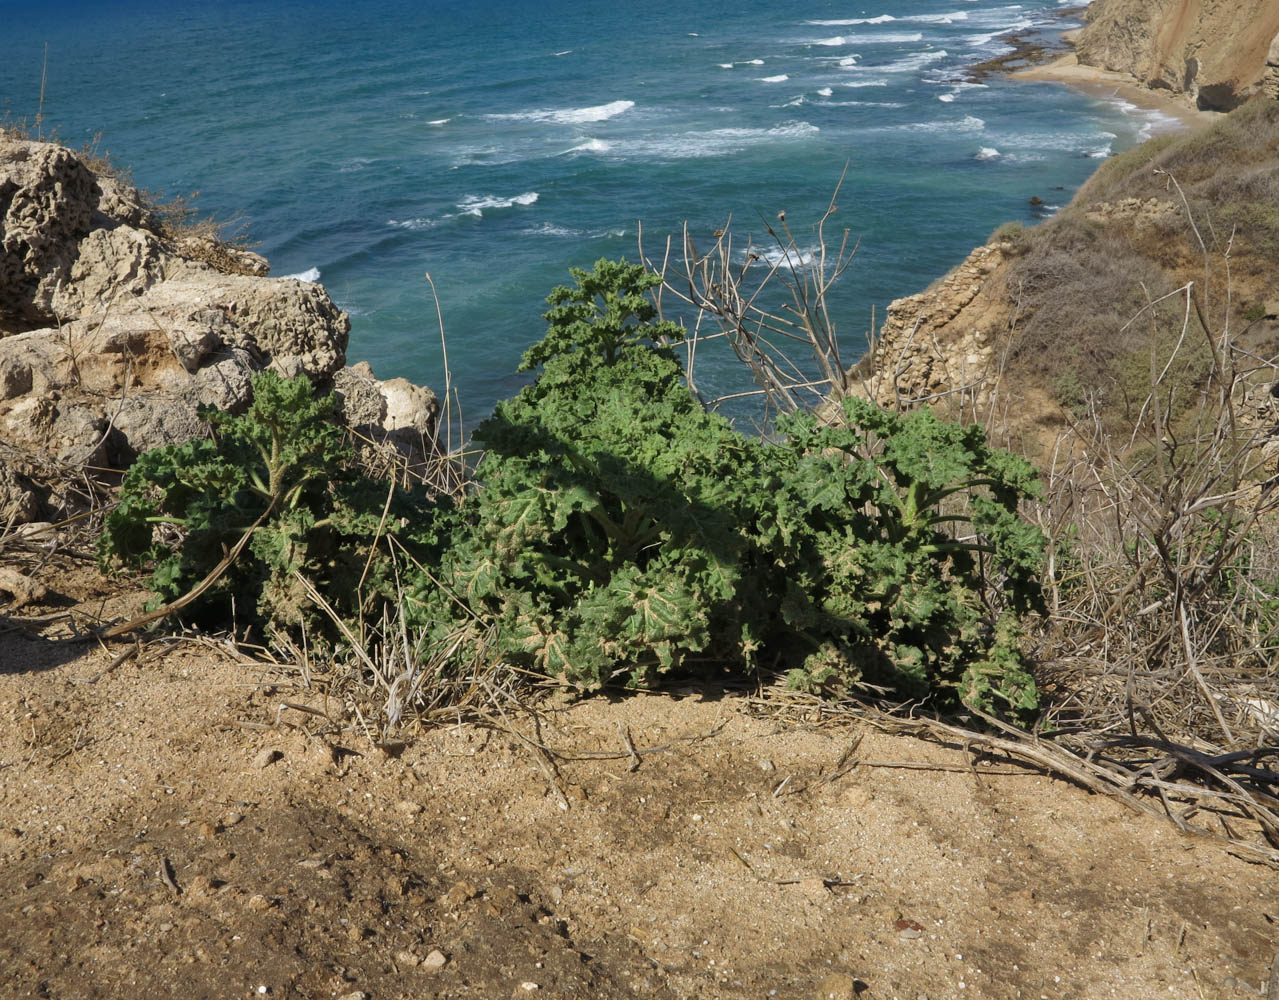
<point x="151" y="846"/>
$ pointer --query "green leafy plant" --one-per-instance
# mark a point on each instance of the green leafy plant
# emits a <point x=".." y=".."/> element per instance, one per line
<point x="281" y="473"/>
<point x="603" y="539"/>
<point x="622" y="531"/>
<point x="907" y="562"/>
<point x="618" y="531"/>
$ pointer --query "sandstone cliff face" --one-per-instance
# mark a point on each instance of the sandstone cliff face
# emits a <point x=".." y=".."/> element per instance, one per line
<point x="113" y="332"/>
<point x="1216" y="52"/>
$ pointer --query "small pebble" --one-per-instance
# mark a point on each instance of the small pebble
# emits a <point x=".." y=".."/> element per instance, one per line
<point x="357" y="995"/>
<point x="267" y="757"/>
<point x="837" y="986"/>
<point x="409" y="808"/>
<point x="435" y="960"/>
<point x="908" y="928"/>
<point x="459" y="893"/>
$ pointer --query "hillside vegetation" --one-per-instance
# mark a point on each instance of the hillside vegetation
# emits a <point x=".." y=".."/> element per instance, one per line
<point x="1196" y="211"/>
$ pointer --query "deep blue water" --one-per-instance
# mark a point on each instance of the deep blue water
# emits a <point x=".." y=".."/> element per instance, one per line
<point x="496" y="145"/>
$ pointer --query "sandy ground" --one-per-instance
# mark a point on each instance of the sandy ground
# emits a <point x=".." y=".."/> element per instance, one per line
<point x="1105" y="84"/>
<point x="168" y="829"/>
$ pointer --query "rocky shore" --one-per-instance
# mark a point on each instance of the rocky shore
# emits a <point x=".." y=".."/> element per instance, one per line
<point x="116" y="328"/>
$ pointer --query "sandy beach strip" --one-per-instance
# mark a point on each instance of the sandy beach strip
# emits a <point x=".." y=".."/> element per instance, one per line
<point x="1105" y="84"/>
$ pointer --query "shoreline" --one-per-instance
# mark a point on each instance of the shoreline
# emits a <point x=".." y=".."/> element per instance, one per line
<point x="1107" y="84"/>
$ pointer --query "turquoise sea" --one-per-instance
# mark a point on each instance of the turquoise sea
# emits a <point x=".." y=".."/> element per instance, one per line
<point x="495" y="145"/>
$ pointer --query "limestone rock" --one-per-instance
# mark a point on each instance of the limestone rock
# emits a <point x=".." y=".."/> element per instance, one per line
<point x="47" y="201"/>
<point x="18" y="588"/>
<point x="939" y="342"/>
<point x="393" y="413"/>
<point x="114" y="331"/>
<point x="19" y="498"/>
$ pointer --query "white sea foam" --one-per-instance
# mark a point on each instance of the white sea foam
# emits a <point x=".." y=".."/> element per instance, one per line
<point x="914" y="62"/>
<point x="987" y="153"/>
<point x="847" y="61"/>
<point x="412" y="224"/>
<point x="609" y="234"/>
<point x="951" y="18"/>
<point x="724" y="65"/>
<point x="824" y="92"/>
<point x="753" y="62"/>
<point x="715" y="142"/>
<point x="881" y="19"/>
<point x="440" y="121"/>
<point x="550" y="229"/>
<point x="997" y="22"/>
<point x="565" y="52"/>
<point x="959" y="15"/>
<point x="969" y="123"/>
<point x="946" y="98"/>
<point x="876" y="38"/>
<point x="865" y="83"/>
<point x="570" y="116"/>
<point x="311" y="275"/>
<point x="592" y="146"/>
<point x="863" y="104"/>
<point x="475" y="204"/>
<point x="779" y="78"/>
<point x="355" y="164"/>
<point x="783" y="258"/>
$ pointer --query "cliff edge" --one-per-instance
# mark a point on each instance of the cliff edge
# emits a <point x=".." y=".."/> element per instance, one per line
<point x="1217" y="53"/>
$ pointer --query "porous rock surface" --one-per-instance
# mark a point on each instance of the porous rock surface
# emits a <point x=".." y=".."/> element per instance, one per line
<point x="114" y="330"/>
<point x="942" y="341"/>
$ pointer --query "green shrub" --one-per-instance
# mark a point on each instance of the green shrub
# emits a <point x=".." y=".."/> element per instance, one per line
<point x="619" y="531"/>
<point x="283" y="464"/>
<point x="908" y="563"/>
<point x="604" y="539"/>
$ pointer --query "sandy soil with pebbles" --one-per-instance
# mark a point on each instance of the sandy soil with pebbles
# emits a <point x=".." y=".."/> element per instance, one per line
<point x="167" y="829"/>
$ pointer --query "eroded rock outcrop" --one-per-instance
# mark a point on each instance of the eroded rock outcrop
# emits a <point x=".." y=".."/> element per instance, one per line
<point x="942" y="341"/>
<point x="114" y="330"/>
<point x="1218" y="54"/>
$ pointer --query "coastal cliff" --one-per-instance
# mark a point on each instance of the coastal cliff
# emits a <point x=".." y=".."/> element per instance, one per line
<point x="1216" y="54"/>
<point x="116" y="327"/>
<point x="1048" y="325"/>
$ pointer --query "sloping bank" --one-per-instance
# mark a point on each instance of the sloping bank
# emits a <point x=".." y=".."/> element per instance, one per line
<point x="1036" y="326"/>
